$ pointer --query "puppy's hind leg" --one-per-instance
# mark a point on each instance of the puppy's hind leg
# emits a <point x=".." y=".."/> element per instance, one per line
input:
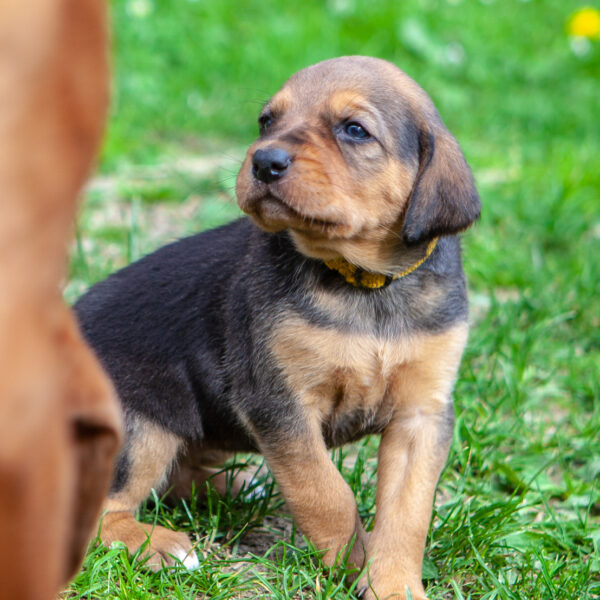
<point x="197" y="465"/>
<point x="144" y="463"/>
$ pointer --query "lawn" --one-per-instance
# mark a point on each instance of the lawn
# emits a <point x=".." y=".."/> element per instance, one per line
<point x="517" y="513"/>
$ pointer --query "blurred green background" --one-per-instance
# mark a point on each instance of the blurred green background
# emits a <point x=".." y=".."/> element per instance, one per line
<point x="501" y="72"/>
<point x="518" y="509"/>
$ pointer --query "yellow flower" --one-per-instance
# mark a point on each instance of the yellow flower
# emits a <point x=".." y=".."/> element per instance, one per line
<point x="585" y="23"/>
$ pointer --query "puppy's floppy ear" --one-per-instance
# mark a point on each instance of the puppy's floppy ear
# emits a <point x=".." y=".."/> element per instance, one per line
<point x="444" y="199"/>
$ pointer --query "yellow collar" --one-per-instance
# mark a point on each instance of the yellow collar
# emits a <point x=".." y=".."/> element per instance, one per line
<point x="365" y="279"/>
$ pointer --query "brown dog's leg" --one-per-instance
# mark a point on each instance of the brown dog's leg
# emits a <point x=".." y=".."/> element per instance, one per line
<point x="319" y="499"/>
<point x="149" y="454"/>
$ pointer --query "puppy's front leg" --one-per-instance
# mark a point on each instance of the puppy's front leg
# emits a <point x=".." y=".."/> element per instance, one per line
<point x="319" y="499"/>
<point x="412" y="454"/>
<point x="413" y="450"/>
<point x="411" y="457"/>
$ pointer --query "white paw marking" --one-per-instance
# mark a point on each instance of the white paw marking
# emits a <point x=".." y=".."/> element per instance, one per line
<point x="258" y="492"/>
<point x="188" y="559"/>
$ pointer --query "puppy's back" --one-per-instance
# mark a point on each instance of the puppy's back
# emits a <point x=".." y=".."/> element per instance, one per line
<point x="160" y="320"/>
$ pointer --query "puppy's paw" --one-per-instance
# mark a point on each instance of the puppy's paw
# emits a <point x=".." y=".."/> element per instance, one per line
<point x="246" y="484"/>
<point x="164" y="548"/>
<point x="243" y="483"/>
<point x="386" y="590"/>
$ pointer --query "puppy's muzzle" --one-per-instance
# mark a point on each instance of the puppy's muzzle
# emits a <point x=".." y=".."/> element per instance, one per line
<point x="270" y="164"/>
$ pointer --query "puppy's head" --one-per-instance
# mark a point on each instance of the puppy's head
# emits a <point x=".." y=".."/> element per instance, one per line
<point x="355" y="161"/>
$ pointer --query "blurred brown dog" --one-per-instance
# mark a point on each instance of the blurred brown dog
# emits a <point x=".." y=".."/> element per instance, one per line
<point x="60" y="421"/>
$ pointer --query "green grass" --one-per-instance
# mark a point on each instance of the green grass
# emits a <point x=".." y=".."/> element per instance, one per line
<point x="518" y="507"/>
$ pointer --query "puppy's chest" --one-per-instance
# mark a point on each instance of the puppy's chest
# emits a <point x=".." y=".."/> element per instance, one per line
<point x="349" y="380"/>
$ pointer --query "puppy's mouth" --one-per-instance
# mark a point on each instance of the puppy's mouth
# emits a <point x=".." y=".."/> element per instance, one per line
<point x="274" y="213"/>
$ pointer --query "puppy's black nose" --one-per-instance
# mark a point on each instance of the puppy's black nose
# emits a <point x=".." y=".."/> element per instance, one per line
<point x="270" y="164"/>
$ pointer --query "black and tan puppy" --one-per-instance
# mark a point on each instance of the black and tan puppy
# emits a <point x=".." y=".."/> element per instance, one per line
<point x="343" y="313"/>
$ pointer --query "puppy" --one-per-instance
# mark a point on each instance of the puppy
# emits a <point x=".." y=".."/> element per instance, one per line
<point x="344" y="313"/>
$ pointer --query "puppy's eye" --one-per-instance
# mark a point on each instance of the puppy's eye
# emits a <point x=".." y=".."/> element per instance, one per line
<point x="264" y="122"/>
<point x="356" y="131"/>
